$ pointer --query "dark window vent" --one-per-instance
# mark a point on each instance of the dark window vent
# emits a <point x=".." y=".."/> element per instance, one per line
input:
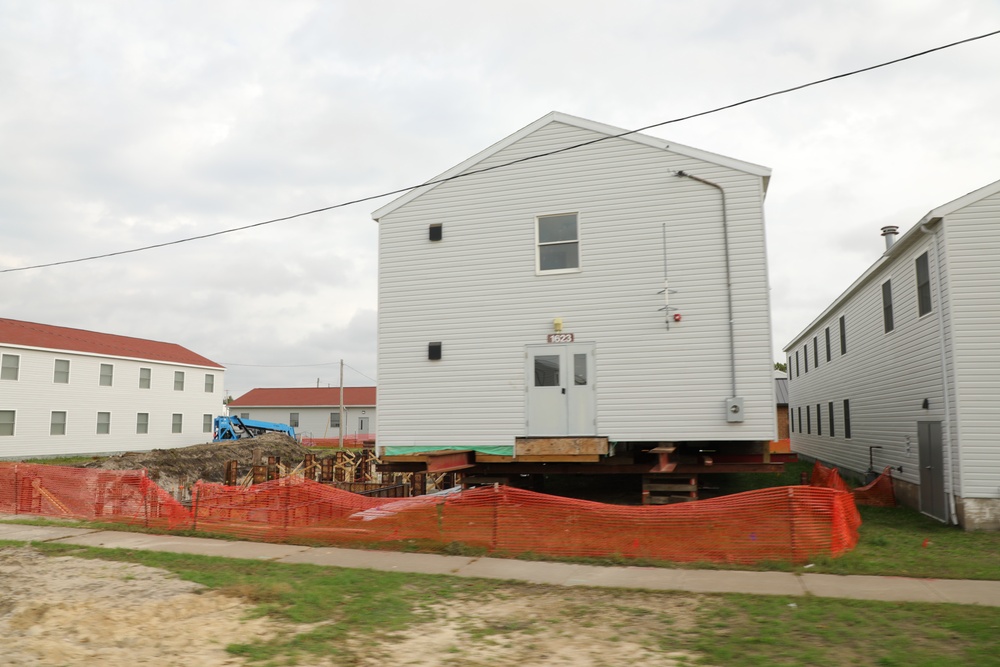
<point x="436" y="232"/>
<point x="434" y="351"/>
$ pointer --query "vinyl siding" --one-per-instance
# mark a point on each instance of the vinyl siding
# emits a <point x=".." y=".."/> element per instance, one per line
<point x="973" y="241"/>
<point x="885" y="376"/>
<point x="477" y="292"/>
<point x="35" y="396"/>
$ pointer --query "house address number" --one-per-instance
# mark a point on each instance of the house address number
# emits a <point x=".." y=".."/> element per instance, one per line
<point x="561" y="338"/>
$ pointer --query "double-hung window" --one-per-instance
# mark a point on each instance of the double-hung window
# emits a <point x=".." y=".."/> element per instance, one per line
<point x="887" y="306"/>
<point x="107" y="377"/>
<point x="923" y="286"/>
<point x="57" y="423"/>
<point x="178" y="380"/>
<point x="9" y="366"/>
<point x="558" y="246"/>
<point x="60" y="372"/>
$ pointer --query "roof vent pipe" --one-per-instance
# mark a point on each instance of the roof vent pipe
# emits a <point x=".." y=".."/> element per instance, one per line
<point x="889" y="232"/>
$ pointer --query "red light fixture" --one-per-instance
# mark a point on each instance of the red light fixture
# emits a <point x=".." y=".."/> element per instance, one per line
<point x="677" y="317"/>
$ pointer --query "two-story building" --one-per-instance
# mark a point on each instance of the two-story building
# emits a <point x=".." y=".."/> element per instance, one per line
<point x="576" y="290"/>
<point x="903" y="368"/>
<point x="70" y="391"/>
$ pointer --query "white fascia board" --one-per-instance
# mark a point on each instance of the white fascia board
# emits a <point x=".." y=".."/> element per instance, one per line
<point x="601" y="128"/>
<point x="961" y="202"/>
<point x="55" y="350"/>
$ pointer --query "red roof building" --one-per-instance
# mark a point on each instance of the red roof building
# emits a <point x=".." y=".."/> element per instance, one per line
<point x="48" y="337"/>
<point x="305" y="397"/>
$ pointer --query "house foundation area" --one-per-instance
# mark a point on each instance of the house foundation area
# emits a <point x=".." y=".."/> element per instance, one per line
<point x="669" y="471"/>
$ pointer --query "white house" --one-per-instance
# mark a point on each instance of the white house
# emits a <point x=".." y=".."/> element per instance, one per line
<point x="903" y="369"/>
<point x="522" y="295"/>
<point x="70" y="391"/>
<point x="314" y="412"/>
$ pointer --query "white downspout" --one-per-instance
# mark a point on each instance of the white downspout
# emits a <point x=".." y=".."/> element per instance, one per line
<point x="729" y="280"/>
<point x="944" y="375"/>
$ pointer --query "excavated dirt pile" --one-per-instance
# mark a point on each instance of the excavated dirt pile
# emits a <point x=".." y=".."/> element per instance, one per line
<point x="177" y="469"/>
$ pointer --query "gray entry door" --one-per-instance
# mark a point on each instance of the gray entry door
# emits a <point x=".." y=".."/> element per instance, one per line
<point x="561" y="396"/>
<point x="362" y="424"/>
<point x="932" y="496"/>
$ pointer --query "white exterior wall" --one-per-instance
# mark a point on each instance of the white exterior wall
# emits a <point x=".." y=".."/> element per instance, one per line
<point x="973" y="245"/>
<point x="314" y="422"/>
<point x="885" y="376"/>
<point x="34" y="396"/>
<point x="477" y="292"/>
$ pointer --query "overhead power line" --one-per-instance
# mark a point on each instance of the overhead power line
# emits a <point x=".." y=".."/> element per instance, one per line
<point x="699" y="114"/>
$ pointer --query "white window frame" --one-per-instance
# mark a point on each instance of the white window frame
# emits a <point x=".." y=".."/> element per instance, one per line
<point x="111" y="376"/>
<point x="107" y="424"/>
<point x="56" y="371"/>
<point x="177" y="422"/>
<point x="206" y="423"/>
<point x="141" y="427"/>
<point x="148" y="378"/>
<point x="293" y="419"/>
<point x="5" y="367"/>
<point x="209" y="383"/>
<point x="53" y="423"/>
<point x="538" y="246"/>
<point x="12" y="423"/>
<point x="335" y="415"/>
<point x="178" y="380"/>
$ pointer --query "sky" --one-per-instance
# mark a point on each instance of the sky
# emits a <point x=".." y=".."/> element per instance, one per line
<point x="127" y="124"/>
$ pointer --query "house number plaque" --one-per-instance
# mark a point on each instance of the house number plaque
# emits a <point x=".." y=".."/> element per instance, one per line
<point x="561" y="338"/>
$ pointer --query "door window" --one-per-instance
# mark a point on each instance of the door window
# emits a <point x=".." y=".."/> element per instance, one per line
<point x="547" y="370"/>
<point x="579" y="369"/>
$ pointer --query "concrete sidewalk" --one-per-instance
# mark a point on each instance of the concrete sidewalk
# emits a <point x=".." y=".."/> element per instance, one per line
<point x="895" y="589"/>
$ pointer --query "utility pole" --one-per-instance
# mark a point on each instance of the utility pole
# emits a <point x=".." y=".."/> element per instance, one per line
<point x="341" y="430"/>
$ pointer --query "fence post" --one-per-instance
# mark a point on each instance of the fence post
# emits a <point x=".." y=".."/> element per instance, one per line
<point x="197" y="493"/>
<point x="791" y="521"/>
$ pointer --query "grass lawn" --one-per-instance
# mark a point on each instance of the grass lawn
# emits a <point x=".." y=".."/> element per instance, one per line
<point x="355" y="617"/>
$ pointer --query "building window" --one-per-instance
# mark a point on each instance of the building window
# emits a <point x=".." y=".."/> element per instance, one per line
<point x="805" y="355"/>
<point x="9" y="366"/>
<point x="177" y="423"/>
<point x="796" y="363"/>
<point x="816" y="351"/>
<point x="209" y="383"/>
<point x="788" y="368"/>
<point x="293" y="419"/>
<point x="887" y="305"/>
<point x="60" y="373"/>
<point x="6" y="422"/>
<point x="829" y="408"/>
<point x="436" y="232"/>
<point x="791" y="420"/>
<point x="847" y="418"/>
<point x="558" y="243"/>
<point x="809" y="421"/>
<point x="843" y="335"/>
<point x="57" y="424"/>
<point x="178" y="380"/>
<point x="800" y="418"/>
<point x="144" y="375"/>
<point x="819" y="419"/>
<point x="923" y="286"/>
<point x="142" y="422"/>
<point x="334" y="420"/>
<point x="244" y="415"/>
<point x="103" y="423"/>
<point x="107" y="375"/>
<point x="206" y="423"/>
<point x="827" y="334"/>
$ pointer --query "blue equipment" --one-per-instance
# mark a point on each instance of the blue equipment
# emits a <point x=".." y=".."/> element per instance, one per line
<point x="234" y="428"/>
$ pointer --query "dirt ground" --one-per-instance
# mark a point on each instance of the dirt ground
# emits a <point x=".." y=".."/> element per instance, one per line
<point x="173" y="469"/>
<point x="73" y="611"/>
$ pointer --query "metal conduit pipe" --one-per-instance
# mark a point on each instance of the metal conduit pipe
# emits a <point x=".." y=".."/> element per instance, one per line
<point x="944" y="374"/>
<point x="729" y="280"/>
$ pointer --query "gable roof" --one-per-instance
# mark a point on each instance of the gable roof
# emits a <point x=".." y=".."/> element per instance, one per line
<point x="933" y="217"/>
<point x="48" y="337"/>
<point x="302" y="397"/>
<point x="583" y="123"/>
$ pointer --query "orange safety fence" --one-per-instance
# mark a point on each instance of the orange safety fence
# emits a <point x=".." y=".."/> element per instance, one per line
<point x="102" y="495"/>
<point x="878" y="493"/>
<point x="793" y="523"/>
